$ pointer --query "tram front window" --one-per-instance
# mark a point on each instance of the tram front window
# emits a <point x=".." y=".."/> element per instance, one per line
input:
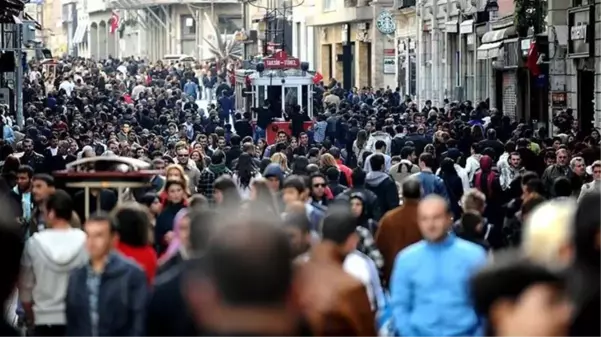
<point x="291" y="96"/>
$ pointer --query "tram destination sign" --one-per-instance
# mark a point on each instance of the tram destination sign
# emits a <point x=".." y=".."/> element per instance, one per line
<point x="281" y="60"/>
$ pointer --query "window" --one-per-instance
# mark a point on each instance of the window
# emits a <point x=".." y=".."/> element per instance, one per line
<point x="329" y="5"/>
<point x="188" y="26"/>
<point x="299" y="37"/>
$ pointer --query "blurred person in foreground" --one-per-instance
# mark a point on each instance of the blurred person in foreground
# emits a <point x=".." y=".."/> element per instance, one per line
<point x="534" y="303"/>
<point x="398" y="228"/>
<point x="48" y="259"/>
<point x="11" y="250"/>
<point x="547" y="233"/>
<point x="428" y="286"/>
<point x="256" y="250"/>
<point x="584" y="280"/>
<point x="595" y="185"/>
<point x="133" y="242"/>
<point x="334" y="302"/>
<point x="107" y="296"/>
<point x="169" y="312"/>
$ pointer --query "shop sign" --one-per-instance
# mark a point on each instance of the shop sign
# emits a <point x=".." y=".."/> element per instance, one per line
<point x="281" y="60"/>
<point x="581" y="31"/>
<point x="389" y="65"/>
<point x="559" y="99"/>
<point x="385" y="23"/>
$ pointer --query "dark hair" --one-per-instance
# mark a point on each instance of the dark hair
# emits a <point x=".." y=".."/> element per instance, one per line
<point x="264" y="195"/>
<point x="133" y="224"/>
<point x="406" y="151"/>
<point x="25" y="169"/>
<point x="427" y="158"/>
<point x="299" y="166"/>
<point x="197" y="200"/>
<point x="178" y="182"/>
<point x="412" y="189"/>
<point x="295" y="182"/>
<point x="562" y="187"/>
<point x="358" y="176"/>
<point x="586" y="230"/>
<point x="245" y="169"/>
<point x="447" y="168"/>
<point x="48" y="179"/>
<point x="335" y="152"/>
<point x="377" y="162"/>
<point x="235" y="140"/>
<point x="535" y="185"/>
<point x="332" y="174"/>
<point x="228" y="188"/>
<point x="380" y="144"/>
<point x="218" y="157"/>
<point x="338" y="224"/>
<point x="105" y="217"/>
<point x="234" y="254"/>
<point x="61" y="203"/>
<point x="527" y="176"/>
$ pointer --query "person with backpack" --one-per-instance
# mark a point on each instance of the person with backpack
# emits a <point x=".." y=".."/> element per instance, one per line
<point x="405" y="167"/>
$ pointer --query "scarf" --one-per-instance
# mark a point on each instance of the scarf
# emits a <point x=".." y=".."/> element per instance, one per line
<point x="218" y="169"/>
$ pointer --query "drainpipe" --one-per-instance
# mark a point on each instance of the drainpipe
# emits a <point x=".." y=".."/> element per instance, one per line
<point x="419" y="49"/>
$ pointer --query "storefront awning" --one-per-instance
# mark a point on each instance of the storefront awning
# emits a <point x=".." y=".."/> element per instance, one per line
<point x="80" y="32"/>
<point x="489" y="50"/>
<point x="451" y="26"/>
<point x="498" y="35"/>
<point x="466" y="27"/>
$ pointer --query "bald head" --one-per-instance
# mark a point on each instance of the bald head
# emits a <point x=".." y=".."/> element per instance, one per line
<point x="434" y="218"/>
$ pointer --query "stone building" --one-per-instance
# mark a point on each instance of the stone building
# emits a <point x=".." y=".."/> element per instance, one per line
<point x="355" y="42"/>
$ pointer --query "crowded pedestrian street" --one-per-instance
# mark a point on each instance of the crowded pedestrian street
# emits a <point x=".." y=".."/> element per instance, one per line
<point x="263" y="196"/>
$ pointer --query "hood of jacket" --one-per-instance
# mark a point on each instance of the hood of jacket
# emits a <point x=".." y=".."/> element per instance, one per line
<point x="60" y="248"/>
<point x="486" y="163"/>
<point x="375" y="178"/>
<point x="274" y="170"/>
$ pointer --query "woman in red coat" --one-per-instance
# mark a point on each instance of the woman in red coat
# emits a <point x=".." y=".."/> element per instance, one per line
<point x="133" y="222"/>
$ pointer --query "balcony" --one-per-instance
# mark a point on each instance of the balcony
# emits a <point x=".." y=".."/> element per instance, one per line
<point x="133" y="4"/>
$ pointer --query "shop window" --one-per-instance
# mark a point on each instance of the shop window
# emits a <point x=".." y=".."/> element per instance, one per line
<point x="511" y="54"/>
<point x="188" y="25"/>
<point x="329" y="5"/>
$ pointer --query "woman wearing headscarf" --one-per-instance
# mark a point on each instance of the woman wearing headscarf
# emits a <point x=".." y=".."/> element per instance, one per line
<point x="179" y="248"/>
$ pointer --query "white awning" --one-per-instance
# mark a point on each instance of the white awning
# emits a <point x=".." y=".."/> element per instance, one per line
<point x="489" y="50"/>
<point x="466" y="27"/>
<point x="80" y="32"/>
<point x="493" y="36"/>
<point x="451" y="26"/>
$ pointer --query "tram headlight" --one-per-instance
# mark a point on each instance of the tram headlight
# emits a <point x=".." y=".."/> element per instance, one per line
<point x="260" y="67"/>
<point x="304" y="66"/>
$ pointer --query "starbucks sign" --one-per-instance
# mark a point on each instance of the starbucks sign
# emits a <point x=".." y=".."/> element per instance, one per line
<point x="385" y="23"/>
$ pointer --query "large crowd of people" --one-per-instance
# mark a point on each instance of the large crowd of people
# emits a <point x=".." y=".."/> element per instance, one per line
<point x="384" y="218"/>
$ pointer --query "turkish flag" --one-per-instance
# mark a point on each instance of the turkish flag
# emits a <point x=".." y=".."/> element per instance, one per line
<point x="532" y="61"/>
<point x="114" y="23"/>
<point x="318" y="77"/>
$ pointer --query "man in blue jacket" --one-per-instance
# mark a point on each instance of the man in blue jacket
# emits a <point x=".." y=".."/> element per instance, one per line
<point x="107" y="296"/>
<point x="430" y="182"/>
<point x="429" y="286"/>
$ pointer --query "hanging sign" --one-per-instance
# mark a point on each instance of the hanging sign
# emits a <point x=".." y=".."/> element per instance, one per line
<point x="281" y="60"/>
<point x="385" y="23"/>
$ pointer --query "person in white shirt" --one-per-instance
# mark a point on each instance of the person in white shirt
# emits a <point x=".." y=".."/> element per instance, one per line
<point x="67" y="85"/>
<point x="462" y="175"/>
<point x="472" y="163"/>
<point x="48" y="259"/>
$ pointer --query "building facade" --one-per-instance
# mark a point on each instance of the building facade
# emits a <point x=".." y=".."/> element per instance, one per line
<point x="355" y="42"/>
<point x="575" y="60"/>
<point x="406" y="47"/>
<point x="303" y="36"/>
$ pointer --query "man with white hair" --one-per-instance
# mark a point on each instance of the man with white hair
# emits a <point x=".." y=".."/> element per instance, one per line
<point x="578" y="176"/>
